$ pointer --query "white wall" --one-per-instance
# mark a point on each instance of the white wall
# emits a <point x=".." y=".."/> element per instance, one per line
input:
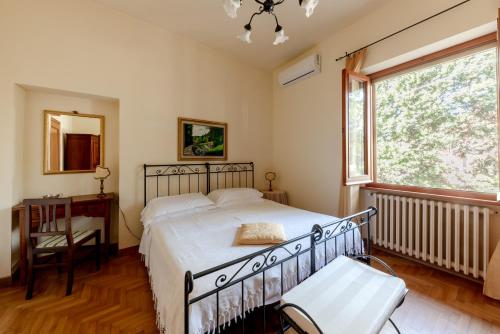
<point x="81" y="46"/>
<point x="307" y="116"/>
<point x="17" y="179"/>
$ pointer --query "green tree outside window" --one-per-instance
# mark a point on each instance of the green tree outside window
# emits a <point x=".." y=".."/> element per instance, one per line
<point x="437" y="126"/>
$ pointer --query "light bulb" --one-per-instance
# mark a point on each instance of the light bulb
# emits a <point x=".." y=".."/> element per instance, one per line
<point x="309" y="6"/>
<point x="245" y="35"/>
<point x="280" y="36"/>
<point x="231" y="7"/>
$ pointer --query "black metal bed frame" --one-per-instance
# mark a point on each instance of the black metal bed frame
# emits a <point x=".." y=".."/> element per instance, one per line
<point x="198" y="177"/>
<point x="205" y="177"/>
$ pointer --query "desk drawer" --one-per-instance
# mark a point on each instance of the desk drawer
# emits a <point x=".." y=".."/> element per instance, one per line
<point x="91" y="210"/>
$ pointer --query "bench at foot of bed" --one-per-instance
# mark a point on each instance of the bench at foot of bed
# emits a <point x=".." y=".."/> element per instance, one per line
<point x="346" y="296"/>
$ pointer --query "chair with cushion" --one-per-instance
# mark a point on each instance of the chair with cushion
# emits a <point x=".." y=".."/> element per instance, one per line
<point x="344" y="297"/>
<point x="45" y="238"/>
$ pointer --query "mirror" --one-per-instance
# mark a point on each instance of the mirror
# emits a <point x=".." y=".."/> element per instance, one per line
<point x="74" y="143"/>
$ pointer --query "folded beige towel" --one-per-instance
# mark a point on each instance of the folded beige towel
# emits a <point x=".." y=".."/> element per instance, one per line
<point x="492" y="281"/>
<point x="261" y="234"/>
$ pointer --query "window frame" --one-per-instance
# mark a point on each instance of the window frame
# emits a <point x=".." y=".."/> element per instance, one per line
<point x="367" y="177"/>
<point x="447" y="194"/>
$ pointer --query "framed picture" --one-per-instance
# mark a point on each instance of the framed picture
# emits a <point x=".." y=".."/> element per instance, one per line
<point x="201" y="140"/>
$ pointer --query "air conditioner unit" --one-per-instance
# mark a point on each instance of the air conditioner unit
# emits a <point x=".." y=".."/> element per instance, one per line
<point x="301" y="70"/>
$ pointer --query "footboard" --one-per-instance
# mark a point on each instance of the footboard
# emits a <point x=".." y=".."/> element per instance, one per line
<point x="243" y="287"/>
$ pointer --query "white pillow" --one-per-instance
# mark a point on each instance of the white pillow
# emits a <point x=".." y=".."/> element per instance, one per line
<point x="170" y="205"/>
<point x="233" y="195"/>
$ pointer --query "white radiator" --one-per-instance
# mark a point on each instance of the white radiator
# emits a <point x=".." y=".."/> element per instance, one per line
<point x="452" y="236"/>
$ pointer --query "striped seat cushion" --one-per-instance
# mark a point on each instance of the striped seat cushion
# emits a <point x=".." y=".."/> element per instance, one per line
<point x="346" y="296"/>
<point x="61" y="241"/>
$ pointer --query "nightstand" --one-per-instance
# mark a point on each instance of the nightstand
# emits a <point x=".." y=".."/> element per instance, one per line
<point x="278" y="196"/>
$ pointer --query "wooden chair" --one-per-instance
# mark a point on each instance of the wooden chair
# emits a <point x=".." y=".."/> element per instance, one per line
<point x="45" y="237"/>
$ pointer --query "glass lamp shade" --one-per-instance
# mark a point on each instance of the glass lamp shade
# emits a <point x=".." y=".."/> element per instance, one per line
<point x="231" y="7"/>
<point x="280" y="37"/>
<point x="245" y="36"/>
<point x="101" y="173"/>
<point x="309" y="6"/>
<point x="270" y="176"/>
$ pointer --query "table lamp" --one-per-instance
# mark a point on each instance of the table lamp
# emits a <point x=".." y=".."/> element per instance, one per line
<point x="102" y="173"/>
<point x="270" y="177"/>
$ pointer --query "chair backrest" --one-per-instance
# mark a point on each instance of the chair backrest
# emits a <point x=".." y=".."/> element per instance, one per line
<point x="49" y="210"/>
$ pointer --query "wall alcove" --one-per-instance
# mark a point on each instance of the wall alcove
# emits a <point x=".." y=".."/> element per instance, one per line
<point x="30" y="179"/>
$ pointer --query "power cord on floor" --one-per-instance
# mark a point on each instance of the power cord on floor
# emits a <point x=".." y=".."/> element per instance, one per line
<point x="126" y="225"/>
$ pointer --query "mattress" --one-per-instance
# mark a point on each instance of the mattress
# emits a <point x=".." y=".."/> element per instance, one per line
<point x="201" y="239"/>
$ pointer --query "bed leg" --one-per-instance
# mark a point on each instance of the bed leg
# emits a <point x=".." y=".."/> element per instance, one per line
<point x="188" y="288"/>
<point x="315" y="237"/>
<point x="370" y="215"/>
<point x="368" y="241"/>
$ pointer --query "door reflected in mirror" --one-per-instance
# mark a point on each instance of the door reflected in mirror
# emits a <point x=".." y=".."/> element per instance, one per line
<point x="74" y="143"/>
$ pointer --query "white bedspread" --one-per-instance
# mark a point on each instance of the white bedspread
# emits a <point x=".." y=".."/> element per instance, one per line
<point x="200" y="240"/>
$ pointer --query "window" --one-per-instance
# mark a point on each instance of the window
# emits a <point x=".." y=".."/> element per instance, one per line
<point x="356" y="129"/>
<point x="436" y="125"/>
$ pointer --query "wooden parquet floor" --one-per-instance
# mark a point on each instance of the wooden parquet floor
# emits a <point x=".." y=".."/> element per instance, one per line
<point x="441" y="303"/>
<point x="118" y="300"/>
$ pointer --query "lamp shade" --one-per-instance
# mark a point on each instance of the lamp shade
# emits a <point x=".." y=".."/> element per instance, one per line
<point x="271" y="176"/>
<point x="231" y="7"/>
<point x="280" y="37"/>
<point x="245" y="35"/>
<point x="101" y="173"/>
<point x="309" y="6"/>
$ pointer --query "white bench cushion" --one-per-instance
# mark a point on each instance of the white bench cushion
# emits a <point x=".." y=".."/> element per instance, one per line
<point x="347" y="297"/>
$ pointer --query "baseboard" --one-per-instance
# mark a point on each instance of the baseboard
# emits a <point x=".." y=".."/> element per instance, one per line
<point x="113" y="249"/>
<point x="134" y="250"/>
<point x="378" y="248"/>
<point x="5" y="281"/>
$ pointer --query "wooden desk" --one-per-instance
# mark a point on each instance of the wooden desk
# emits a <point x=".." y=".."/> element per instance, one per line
<point x="86" y="205"/>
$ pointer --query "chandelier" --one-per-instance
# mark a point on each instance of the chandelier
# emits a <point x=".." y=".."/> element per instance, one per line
<point x="266" y="6"/>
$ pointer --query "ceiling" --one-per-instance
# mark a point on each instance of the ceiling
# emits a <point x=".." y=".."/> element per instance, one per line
<point x="206" y="22"/>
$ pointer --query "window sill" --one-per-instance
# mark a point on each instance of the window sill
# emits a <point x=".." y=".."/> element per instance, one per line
<point x="445" y="195"/>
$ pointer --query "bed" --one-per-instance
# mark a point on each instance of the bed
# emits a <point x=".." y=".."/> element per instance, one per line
<point x="201" y="280"/>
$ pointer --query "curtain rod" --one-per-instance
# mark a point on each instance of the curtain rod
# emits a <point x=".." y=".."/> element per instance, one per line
<point x="404" y="29"/>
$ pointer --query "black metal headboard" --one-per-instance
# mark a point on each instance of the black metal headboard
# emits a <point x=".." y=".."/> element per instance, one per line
<point x="176" y="179"/>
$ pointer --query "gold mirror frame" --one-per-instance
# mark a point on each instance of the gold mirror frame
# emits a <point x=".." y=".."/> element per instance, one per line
<point x="46" y="114"/>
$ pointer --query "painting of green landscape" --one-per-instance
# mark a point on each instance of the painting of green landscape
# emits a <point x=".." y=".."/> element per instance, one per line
<point x="202" y="140"/>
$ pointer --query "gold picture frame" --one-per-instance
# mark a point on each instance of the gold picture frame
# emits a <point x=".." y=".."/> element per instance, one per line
<point x="200" y="140"/>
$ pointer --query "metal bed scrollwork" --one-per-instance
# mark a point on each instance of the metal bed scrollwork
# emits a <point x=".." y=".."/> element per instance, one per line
<point x="328" y="239"/>
<point x="176" y="179"/>
<point x="232" y="273"/>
